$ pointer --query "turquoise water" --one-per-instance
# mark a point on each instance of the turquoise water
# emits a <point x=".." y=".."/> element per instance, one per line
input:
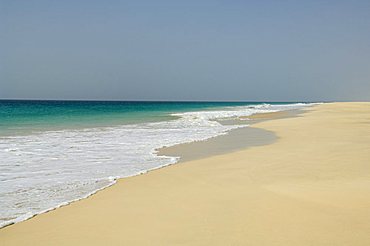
<point x="55" y="152"/>
<point x="22" y="116"/>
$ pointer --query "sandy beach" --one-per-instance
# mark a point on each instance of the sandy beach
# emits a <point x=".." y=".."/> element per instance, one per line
<point x="308" y="186"/>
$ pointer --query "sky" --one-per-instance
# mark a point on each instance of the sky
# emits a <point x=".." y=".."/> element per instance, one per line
<point x="259" y="50"/>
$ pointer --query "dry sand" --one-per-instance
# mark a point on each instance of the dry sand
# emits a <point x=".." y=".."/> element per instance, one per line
<point x="310" y="187"/>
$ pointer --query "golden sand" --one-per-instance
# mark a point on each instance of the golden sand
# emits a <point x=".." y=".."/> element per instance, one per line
<point x="311" y="187"/>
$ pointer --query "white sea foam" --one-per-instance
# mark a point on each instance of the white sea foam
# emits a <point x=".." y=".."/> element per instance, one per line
<point x="43" y="171"/>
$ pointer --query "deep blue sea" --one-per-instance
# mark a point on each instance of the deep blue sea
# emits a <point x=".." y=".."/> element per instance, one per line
<point x="55" y="152"/>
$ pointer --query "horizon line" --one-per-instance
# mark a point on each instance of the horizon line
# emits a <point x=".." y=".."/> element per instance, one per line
<point x="149" y="100"/>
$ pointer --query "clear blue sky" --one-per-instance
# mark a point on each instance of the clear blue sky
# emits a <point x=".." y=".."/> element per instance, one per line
<point x="185" y="50"/>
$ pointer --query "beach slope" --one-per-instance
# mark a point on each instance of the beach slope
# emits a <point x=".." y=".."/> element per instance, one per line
<point x="310" y="187"/>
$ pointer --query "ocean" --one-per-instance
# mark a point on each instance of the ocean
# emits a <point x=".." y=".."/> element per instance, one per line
<point x="56" y="152"/>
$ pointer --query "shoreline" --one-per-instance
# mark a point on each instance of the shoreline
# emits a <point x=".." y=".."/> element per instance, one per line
<point x="234" y="140"/>
<point x="169" y="153"/>
<point x="137" y="188"/>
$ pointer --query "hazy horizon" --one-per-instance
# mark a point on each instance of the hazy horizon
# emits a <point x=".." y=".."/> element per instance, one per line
<point x="185" y="51"/>
<point x="143" y="100"/>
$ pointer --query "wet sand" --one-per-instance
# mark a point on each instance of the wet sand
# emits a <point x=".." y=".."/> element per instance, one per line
<point x="235" y="140"/>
